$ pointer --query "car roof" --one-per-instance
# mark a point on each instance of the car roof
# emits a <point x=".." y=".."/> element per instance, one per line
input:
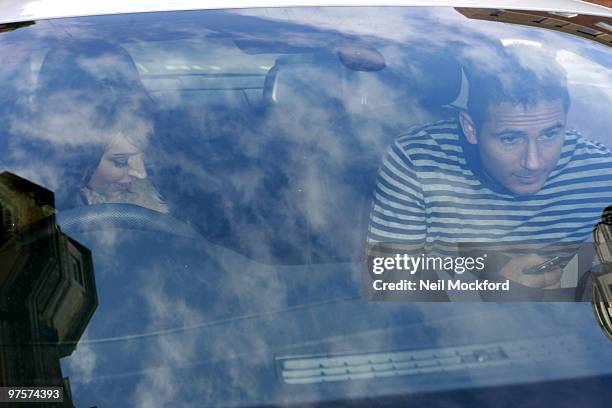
<point x="25" y="10"/>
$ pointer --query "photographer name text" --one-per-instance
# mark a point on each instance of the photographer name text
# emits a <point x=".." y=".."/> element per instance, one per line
<point x="440" y="285"/>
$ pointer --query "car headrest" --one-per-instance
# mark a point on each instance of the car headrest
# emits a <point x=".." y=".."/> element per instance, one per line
<point x="90" y="66"/>
<point x="302" y="79"/>
<point x="435" y="80"/>
<point x="435" y="77"/>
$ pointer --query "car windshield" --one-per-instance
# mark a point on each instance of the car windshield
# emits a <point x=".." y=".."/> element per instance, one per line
<point x="224" y="174"/>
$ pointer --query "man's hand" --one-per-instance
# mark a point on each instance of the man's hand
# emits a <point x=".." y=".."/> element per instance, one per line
<point x="514" y="270"/>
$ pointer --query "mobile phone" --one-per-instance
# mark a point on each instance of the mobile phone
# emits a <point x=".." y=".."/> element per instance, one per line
<point x="544" y="267"/>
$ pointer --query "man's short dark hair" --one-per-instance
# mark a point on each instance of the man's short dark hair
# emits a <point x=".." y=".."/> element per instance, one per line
<point x="517" y="83"/>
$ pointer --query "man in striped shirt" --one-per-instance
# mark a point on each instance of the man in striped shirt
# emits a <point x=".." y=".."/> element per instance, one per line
<point x="505" y="171"/>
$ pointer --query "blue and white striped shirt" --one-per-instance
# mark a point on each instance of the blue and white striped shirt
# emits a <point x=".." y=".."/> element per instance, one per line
<point x="428" y="193"/>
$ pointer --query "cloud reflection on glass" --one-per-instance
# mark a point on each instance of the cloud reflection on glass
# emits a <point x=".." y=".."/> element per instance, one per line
<point x="262" y="140"/>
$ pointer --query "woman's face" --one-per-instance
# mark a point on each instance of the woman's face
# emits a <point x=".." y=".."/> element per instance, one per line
<point x="121" y="163"/>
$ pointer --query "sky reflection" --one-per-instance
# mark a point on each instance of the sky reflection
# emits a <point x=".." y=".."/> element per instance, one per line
<point x="274" y="167"/>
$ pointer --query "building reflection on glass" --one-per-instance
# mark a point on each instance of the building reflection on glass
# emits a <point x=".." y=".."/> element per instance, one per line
<point x="47" y="288"/>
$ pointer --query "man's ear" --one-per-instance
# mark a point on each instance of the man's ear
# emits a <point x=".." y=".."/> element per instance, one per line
<point x="467" y="124"/>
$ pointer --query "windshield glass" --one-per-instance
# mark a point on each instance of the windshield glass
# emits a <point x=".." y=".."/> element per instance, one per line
<point x="230" y="170"/>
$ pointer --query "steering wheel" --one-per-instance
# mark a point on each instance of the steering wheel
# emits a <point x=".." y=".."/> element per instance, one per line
<point x="121" y="216"/>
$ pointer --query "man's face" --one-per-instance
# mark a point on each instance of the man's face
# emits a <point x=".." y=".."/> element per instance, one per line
<point x="519" y="146"/>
